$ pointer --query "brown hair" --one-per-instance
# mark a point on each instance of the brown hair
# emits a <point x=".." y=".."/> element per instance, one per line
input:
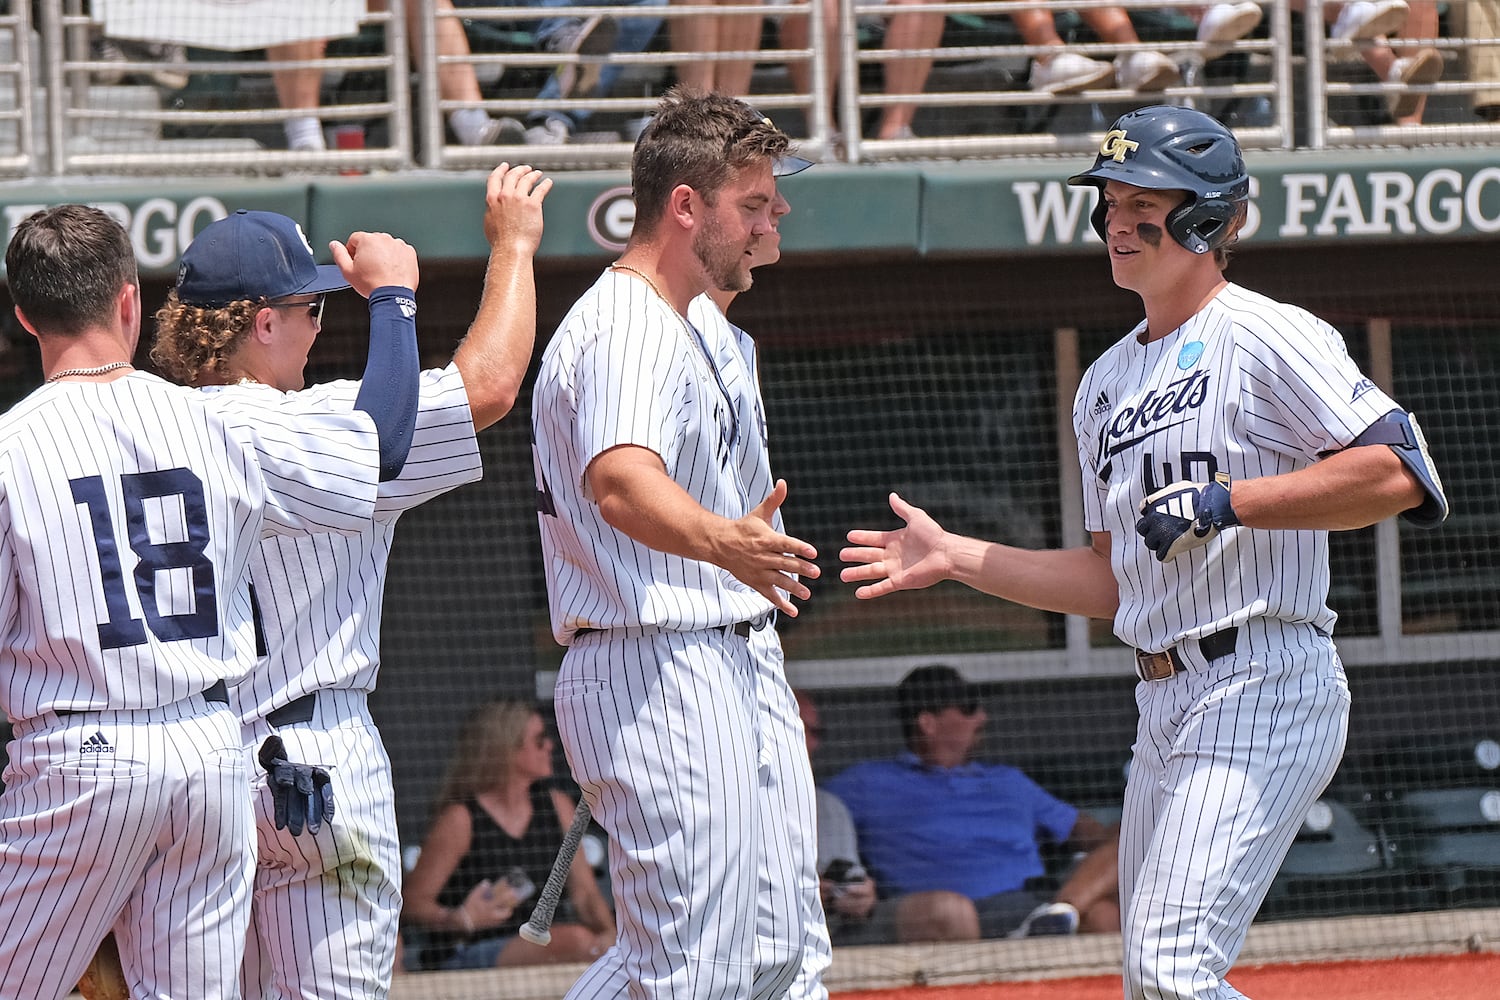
<point x="489" y="739"/>
<point x="66" y="266"/>
<point x="194" y="341"/>
<point x="701" y="140"/>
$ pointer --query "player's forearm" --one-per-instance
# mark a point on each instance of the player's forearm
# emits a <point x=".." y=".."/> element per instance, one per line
<point x="495" y="353"/>
<point x="391" y="381"/>
<point x="1354" y="488"/>
<point x="661" y="515"/>
<point x="1068" y="581"/>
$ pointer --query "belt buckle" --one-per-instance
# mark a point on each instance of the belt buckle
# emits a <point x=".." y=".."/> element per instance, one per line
<point x="1154" y="666"/>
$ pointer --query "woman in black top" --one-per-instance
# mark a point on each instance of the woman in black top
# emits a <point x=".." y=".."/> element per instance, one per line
<point x="498" y="825"/>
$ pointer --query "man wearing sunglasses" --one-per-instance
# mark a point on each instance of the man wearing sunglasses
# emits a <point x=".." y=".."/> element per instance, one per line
<point x="953" y="842"/>
<point x="246" y="310"/>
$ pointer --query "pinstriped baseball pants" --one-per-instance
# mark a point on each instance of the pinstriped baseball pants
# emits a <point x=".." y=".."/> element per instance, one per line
<point x="1227" y="761"/>
<point x="664" y="734"/>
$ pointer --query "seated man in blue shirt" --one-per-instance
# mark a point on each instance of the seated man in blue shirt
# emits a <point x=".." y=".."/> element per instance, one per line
<point x="955" y="841"/>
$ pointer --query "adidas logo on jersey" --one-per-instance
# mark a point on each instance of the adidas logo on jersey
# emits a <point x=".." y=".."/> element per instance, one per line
<point x="96" y="744"/>
<point x="407" y="306"/>
<point x="1101" y="405"/>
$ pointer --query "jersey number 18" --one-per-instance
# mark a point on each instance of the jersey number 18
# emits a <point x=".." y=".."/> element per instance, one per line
<point x="123" y="629"/>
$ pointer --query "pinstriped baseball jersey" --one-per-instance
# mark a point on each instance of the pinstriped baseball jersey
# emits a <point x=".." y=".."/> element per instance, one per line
<point x="320" y="598"/>
<point x="646" y="381"/>
<point x="128" y="514"/>
<point x="131" y="509"/>
<point x="320" y="595"/>
<point x="788" y="895"/>
<point x="1247" y="386"/>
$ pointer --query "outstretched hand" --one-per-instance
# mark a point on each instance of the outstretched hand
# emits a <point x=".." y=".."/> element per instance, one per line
<point x="513" y="199"/>
<point x="374" y="260"/>
<point x="770" y="563"/>
<point x="909" y="558"/>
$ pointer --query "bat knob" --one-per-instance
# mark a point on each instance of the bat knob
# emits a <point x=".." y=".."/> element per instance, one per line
<point x="536" y="935"/>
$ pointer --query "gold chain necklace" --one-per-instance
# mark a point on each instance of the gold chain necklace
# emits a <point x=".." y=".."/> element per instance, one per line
<point x="697" y="339"/>
<point x="101" y="370"/>
<point x="617" y="266"/>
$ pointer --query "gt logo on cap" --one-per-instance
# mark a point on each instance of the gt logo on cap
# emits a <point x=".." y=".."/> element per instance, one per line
<point x="1116" y="146"/>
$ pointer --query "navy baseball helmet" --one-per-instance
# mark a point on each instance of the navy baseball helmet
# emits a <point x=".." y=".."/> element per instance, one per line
<point x="1164" y="148"/>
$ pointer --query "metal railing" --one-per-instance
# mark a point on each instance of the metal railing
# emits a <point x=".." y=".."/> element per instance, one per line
<point x="977" y="103"/>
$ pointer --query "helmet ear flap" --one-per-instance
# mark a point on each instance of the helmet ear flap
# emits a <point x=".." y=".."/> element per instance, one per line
<point x="1201" y="224"/>
<point x="1097" y="215"/>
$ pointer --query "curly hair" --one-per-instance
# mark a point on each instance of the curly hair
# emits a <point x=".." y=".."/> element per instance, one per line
<point x="701" y="140"/>
<point x="193" y="344"/>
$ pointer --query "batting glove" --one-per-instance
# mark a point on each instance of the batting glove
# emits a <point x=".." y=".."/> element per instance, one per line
<point x="1185" y="516"/>
<point x="303" y="793"/>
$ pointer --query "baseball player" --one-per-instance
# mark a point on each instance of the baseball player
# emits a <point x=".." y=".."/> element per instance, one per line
<point x="663" y="568"/>
<point x="319" y="597"/>
<point x="129" y="510"/>
<point x="1220" y="441"/>
<point x="780" y="714"/>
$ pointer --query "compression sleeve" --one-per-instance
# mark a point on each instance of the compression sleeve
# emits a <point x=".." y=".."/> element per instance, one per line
<point x="388" y="390"/>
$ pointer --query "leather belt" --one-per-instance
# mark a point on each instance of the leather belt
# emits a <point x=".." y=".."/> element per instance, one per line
<point x="294" y="712"/>
<point x="217" y="692"/>
<point x="741" y="629"/>
<point x="1160" y="666"/>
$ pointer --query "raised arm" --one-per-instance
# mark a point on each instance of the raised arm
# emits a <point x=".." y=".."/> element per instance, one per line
<point x="384" y="270"/>
<point x="494" y="355"/>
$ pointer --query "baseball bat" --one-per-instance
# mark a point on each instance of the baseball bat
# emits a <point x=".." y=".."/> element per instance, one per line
<point x="538" y="930"/>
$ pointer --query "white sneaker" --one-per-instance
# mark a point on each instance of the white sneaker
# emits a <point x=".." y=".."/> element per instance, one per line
<point x="1068" y="73"/>
<point x="1140" y="71"/>
<point x="498" y="132"/>
<point x="1047" y="920"/>
<point x="1363" y="20"/>
<point x="552" y="132"/>
<point x="593" y="37"/>
<point x="1422" y="67"/>
<point x="1224" y="24"/>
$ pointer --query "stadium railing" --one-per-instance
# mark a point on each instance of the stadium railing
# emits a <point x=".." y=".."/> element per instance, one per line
<point x="1283" y="87"/>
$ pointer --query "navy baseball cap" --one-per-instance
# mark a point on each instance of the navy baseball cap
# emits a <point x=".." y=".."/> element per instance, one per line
<point x="251" y="256"/>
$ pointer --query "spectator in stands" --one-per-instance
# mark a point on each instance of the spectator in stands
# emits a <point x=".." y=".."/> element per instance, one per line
<point x="847" y="889"/>
<point x="595" y="36"/>
<point x="914" y="29"/>
<point x="705" y="33"/>
<point x="955" y="841"/>
<point x="1060" y="73"/>
<point x="1368" y="24"/>
<point x="495" y="815"/>
<point x="1483" y="21"/>
<point x="299" y="89"/>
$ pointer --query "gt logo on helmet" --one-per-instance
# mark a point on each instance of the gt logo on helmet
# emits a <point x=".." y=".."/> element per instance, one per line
<point x="1116" y="146"/>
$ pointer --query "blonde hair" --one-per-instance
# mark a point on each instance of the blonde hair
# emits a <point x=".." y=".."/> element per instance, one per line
<point x="488" y="741"/>
<point x="193" y="344"/>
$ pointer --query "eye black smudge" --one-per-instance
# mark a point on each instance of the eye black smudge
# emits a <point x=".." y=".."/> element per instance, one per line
<point x="1149" y="233"/>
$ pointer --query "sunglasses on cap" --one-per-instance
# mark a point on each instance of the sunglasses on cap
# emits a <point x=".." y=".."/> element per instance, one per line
<point x="313" y="306"/>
